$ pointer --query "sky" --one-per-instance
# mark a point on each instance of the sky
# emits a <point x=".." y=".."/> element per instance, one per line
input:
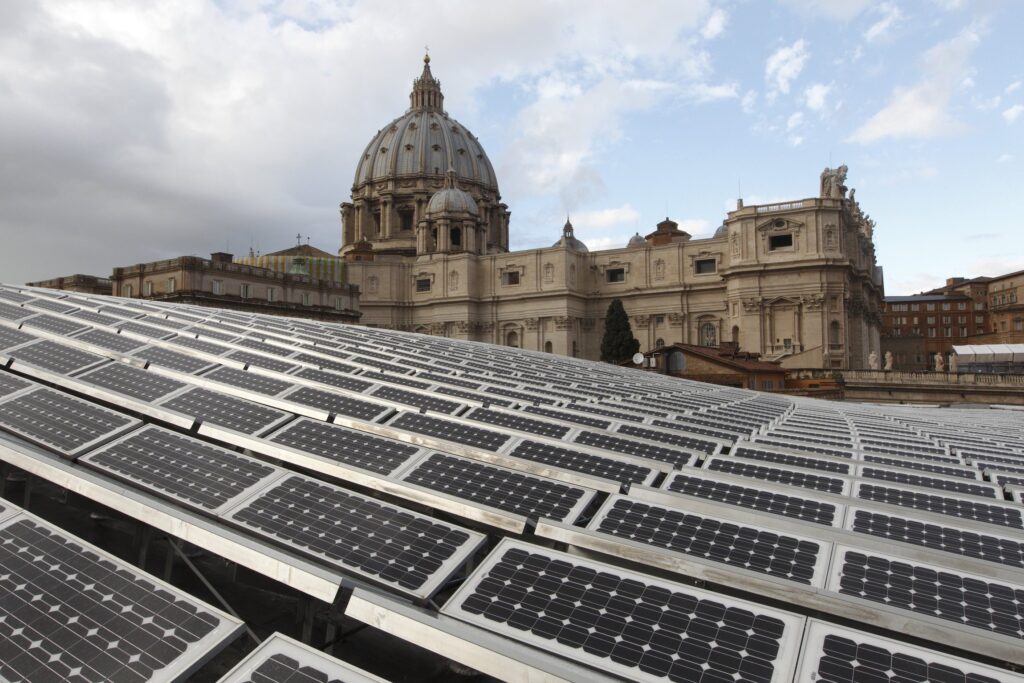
<point x="132" y="131"/>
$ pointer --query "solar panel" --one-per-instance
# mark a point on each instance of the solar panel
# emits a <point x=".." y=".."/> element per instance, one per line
<point x="55" y="306"/>
<point x="440" y="428"/>
<point x="173" y="360"/>
<point x="333" y="379"/>
<point x="521" y="494"/>
<point x="250" y="381"/>
<point x="60" y="422"/>
<point x="911" y="479"/>
<point x="259" y="361"/>
<point x="73" y="612"/>
<point x="347" y="446"/>
<point x="951" y="471"/>
<point x="9" y="384"/>
<point x="673" y="438"/>
<point x="10" y="338"/>
<point x="807" y="480"/>
<point x="996" y="607"/>
<point x="836" y="654"/>
<point x="587" y="463"/>
<point x="145" y="330"/>
<point x="751" y="498"/>
<point x="568" y="417"/>
<point x="517" y="422"/>
<point x="183" y="468"/>
<point x="131" y="381"/>
<point x="418" y="399"/>
<point x="474" y="396"/>
<point x="786" y="556"/>
<point x="279" y="659"/>
<point x="396" y="379"/>
<point x="628" y="624"/>
<point x="8" y="312"/>
<point x="226" y="411"/>
<point x="14" y="296"/>
<point x="631" y="447"/>
<point x="272" y="349"/>
<point x="110" y="341"/>
<point x="96" y="318"/>
<point x="325" y="363"/>
<point x="56" y="357"/>
<point x="792" y="460"/>
<point x="337" y="404"/>
<point x="377" y="540"/>
<point x="1003" y="515"/>
<point x="942" y="537"/>
<point x="199" y="345"/>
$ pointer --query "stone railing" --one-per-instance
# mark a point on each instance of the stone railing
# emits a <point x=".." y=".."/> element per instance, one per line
<point x="911" y="378"/>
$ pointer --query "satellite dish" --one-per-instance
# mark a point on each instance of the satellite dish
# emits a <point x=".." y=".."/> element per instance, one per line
<point x="638" y="358"/>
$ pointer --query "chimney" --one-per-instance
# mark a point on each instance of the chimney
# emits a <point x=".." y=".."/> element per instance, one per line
<point x="222" y="257"/>
<point x="950" y="281"/>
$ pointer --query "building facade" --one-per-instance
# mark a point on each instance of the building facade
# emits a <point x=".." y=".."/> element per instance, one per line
<point x="218" y="281"/>
<point x="425" y="236"/>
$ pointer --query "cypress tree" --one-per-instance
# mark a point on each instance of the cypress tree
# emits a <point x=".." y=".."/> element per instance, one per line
<point x="618" y="343"/>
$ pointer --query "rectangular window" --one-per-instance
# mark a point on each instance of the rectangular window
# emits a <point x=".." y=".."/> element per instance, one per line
<point x="271" y="294"/>
<point x="243" y="291"/>
<point x="147" y="289"/>
<point x="979" y="320"/>
<point x="946" y="319"/>
<point x="945" y="307"/>
<point x="979" y="306"/>
<point x="616" y="274"/>
<point x="780" y="241"/>
<point x="510" y="278"/>
<point x="915" y="307"/>
<point x="963" y="331"/>
<point x="705" y="266"/>
<point x="659" y="320"/>
<point x="962" y="306"/>
<point x="1018" y="325"/>
<point x="916" y="331"/>
<point x="931" y="320"/>
<point x="172" y="285"/>
<point x="961" y="319"/>
<point x="916" y="320"/>
<point x="218" y="287"/>
<point x="931" y="332"/>
<point x="930" y="307"/>
<point x="305" y="298"/>
<point x="423" y="285"/>
<point x="127" y="291"/>
<point x="947" y="331"/>
<point x="767" y="384"/>
<point x="339" y="304"/>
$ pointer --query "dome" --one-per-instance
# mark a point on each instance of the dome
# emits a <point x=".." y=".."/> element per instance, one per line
<point x="569" y="240"/>
<point x="451" y="200"/>
<point x="723" y="231"/>
<point x="636" y="241"/>
<point x="425" y="141"/>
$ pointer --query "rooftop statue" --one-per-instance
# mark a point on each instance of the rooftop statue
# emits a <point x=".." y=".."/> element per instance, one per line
<point x="833" y="183"/>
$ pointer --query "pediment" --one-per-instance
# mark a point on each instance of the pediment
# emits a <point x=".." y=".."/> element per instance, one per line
<point x="780" y="224"/>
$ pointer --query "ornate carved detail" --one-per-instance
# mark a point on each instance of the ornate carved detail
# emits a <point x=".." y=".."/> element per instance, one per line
<point x="437" y="329"/>
<point x="642" y="320"/>
<point x="751" y="305"/>
<point x="833" y="183"/>
<point x="676" y="319"/>
<point x="532" y="323"/>
<point x="855" y="307"/>
<point x="813" y="302"/>
<point x="831" y="238"/>
<point x="549" y="272"/>
<point x="453" y="281"/>
<point x="659" y="269"/>
<point x="588" y="324"/>
<point x="737" y="247"/>
<point x="562" y="323"/>
<point x="486" y="328"/>
<point x="464" y="326"/>
<point x="371" y="284"/>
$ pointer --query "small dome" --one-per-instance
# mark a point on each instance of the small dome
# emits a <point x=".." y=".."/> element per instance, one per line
<point x="636" y="241"/>
<point x="723" y="231"/>
<point x="451" y="200"/>
<point x="569" y="240"/>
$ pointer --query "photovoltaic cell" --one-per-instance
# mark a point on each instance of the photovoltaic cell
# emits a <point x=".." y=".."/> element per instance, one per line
<point x="60" y="422"/>
<point x="8" y="312"/>
<point x="568" y="417"/>
<point x="911" y="479"/>
<point x="335" y="403"/>
<point x="96" y="318"/>
<point x="10" y="338"/>
<point x="363" y="535"/>
<point x="418" y="399"/>
<point x="631" y="447"/>
<point x="55" y="306"/>
<point x="759" y="550"/>
<point x="131" y="381"/>
<point x="806" y="480"/>
<point x="261" y="361"/>
<point x="950" y="471"/>
<point x="173" y="360"/>
<point x="198" y="345"/>
<point x="518" y="423"/>
<point x="625" y="623"/>
<point x="10" y="384"/>
<point x="581" y="461"/>
<point x="439" y="428"/>
<point x="752" y="498"/>
<point x="186" y="469"/>
<point x="792" y="460"/>
<point x="250" y="381"/>
<point x="669" y="437"/>
<point x="333" y="379"/>
<point x="347" y="446"/>
<point x="992" y="606"/>
<point x="943" y="505"/>
<point x="110" y="341"/>
<point x="72" y="613"/>
<point x="145" y="330"/>
<point x="226" y="411"/>
<point x="497" y="487"/>
<point x="56" y="357"/>
<point x="280" y="659"/>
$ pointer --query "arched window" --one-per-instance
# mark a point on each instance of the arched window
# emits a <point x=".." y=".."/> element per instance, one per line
<point x="659" y="342"/>
<point x="548" y="347"/>
<point x="707" y="334"/>
<point x="456" y="238"/>
<point x="833" y="332"/>
<point x="736" y="334"/>
<point x="512" y="339"/>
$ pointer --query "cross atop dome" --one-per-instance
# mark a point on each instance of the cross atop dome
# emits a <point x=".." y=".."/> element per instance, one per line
<point x="426" y="90"/>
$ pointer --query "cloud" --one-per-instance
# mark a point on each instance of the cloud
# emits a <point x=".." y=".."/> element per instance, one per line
<point x="785" y="64"/>
<point x="891" y="17"/>
<point x="841" y="10"/>
<point x="132" y="132"/>
<point x="695" y="226"/>
<point x="1013" y="113"/>
<point x="749" y="101"/>
<point x="920" y="110"/>
<point x="715" y="24"/>
<point x="816" y="95"/>
<point x="1013" y="87"/>
<point x="704" y="92"/>
<point x="605" y="219"/>
<point x="1004" y="158"/>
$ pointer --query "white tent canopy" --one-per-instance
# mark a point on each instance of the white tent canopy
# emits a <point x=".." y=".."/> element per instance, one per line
<point x="990" y="353"/>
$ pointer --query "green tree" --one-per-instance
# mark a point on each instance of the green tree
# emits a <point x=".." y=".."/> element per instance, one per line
<point x="618" y="343"/>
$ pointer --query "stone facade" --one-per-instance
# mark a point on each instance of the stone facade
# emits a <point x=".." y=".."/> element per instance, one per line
<point x="795" y="282"/>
